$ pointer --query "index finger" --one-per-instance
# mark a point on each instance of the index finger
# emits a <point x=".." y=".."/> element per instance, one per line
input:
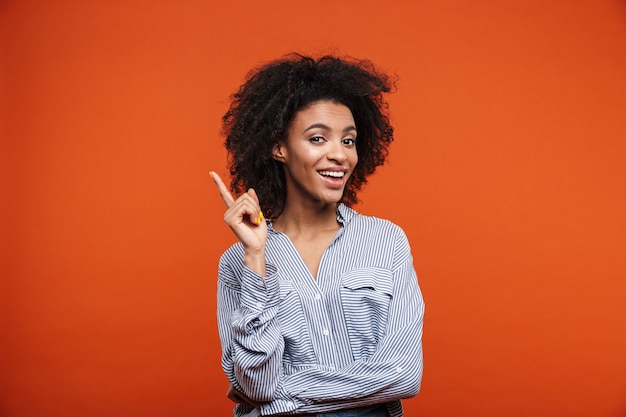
<point x="223" y="190"/>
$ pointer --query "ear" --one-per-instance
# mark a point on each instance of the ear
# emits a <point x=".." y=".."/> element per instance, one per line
<point x="278" y="152"/>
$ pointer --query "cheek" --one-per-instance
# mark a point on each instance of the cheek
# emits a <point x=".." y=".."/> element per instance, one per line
<point x="354" y="158"/>
<point x="313" y="158"/>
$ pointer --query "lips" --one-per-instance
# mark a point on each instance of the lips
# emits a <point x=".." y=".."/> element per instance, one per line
<point x="334" y="179"/>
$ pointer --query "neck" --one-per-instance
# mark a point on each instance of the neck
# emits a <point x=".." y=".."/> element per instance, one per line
<point x="307" y="219"/>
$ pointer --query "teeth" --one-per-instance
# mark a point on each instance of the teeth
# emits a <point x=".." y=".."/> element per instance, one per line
<point x="335" y="174"/>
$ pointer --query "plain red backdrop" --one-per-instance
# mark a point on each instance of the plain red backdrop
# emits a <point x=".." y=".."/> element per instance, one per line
<point x="507" y="174"/>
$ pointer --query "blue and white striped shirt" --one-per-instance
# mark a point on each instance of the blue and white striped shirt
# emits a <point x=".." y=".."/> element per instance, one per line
<point x="350" y="338"/>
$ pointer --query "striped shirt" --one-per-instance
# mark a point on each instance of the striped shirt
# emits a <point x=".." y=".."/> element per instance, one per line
<point x="350" y="338"/>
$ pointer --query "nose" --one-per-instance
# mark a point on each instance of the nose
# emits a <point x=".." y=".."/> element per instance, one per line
<point x="337" y="151"/>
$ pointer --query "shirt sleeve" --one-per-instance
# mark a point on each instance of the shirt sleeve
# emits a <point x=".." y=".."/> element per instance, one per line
<point x="252" y="346"/>
<point x="393" y="372"/>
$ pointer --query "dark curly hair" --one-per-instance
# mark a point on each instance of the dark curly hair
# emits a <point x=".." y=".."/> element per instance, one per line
<point x="264" y="106"/>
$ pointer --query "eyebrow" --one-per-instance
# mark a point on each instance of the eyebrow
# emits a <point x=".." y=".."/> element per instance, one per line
<point x="325" y="127"/>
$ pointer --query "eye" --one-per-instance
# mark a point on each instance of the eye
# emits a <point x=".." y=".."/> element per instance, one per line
<point x="348" y="141"/>
<point x="316" y="139"/>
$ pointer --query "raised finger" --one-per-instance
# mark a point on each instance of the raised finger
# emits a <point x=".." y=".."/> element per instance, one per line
<point x="222" y="189"/>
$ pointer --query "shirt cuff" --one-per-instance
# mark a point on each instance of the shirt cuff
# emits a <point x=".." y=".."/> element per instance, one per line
<point x="257" y="292"/>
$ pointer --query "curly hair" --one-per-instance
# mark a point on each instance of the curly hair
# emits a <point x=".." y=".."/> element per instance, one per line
<point x="263" y="108"/>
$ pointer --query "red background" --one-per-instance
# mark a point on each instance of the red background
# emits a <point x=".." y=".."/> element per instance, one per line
<point x="507" y="174"/>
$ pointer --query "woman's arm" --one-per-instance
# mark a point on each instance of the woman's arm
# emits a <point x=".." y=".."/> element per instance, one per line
<point x="252" y="346"/>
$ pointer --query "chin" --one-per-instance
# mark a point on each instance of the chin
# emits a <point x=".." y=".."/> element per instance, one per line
<point x="332" y="199"/>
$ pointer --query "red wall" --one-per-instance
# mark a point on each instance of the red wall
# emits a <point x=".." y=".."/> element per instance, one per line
<point x="507" y="174"/>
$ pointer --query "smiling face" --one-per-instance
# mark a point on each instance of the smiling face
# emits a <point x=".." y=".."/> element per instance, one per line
<point x="319" y="154"/>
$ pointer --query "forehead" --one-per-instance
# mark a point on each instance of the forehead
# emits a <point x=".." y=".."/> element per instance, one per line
<point x="325" y="111"/>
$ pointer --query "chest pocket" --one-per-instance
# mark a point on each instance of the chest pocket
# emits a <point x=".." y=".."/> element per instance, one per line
<point x="365" y="295"/>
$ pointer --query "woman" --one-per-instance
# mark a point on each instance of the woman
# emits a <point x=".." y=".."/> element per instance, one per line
<point x="319" y="309"/>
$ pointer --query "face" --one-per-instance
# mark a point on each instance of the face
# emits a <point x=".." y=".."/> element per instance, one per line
<point x="319" y="154"/>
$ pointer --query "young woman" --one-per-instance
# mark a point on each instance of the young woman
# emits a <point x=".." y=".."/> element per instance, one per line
<point x="319" y="309"/>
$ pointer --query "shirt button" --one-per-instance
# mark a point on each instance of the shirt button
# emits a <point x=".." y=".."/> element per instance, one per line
<point x="326" y="332"/>
<point x="259" y="305"/>
<point x="318" y="297"/>
<point x="261" y="283"/>
<point x="398" y="369"/>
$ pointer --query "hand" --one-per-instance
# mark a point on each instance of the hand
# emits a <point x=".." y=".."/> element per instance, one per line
<point x="246" y="220"/>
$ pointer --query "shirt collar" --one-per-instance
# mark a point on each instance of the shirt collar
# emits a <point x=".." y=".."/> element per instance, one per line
<point x="344" y="214"/>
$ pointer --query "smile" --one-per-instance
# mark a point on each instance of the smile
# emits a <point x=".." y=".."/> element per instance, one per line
<point x="334" y="174"/>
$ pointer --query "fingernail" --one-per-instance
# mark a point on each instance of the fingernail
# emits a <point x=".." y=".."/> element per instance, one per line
<point x="260" y="218"/>
<point x="211" y="174"/>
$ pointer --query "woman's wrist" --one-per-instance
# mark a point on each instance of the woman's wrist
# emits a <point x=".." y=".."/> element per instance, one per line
<point x="255" y="260"/>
